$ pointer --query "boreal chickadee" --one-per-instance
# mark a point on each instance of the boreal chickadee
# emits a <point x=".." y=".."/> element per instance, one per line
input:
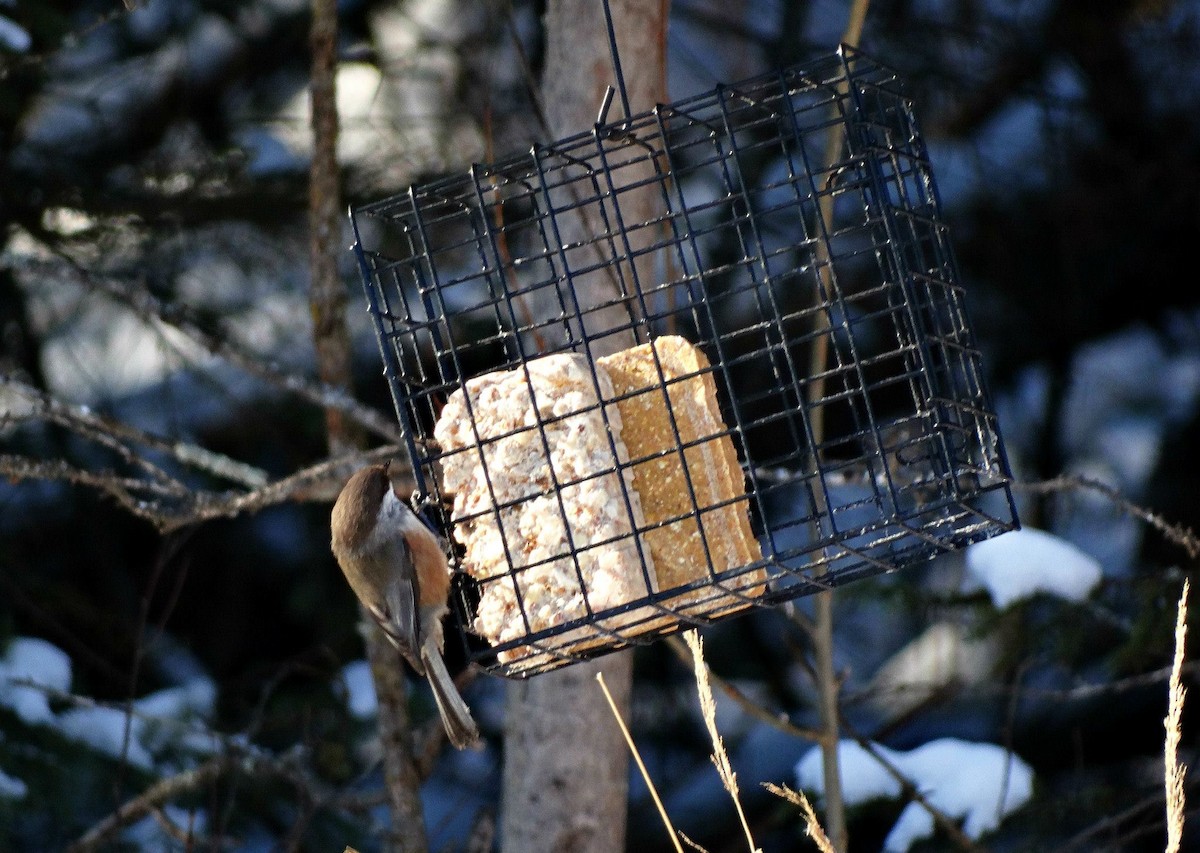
<point x="398" y="570"/>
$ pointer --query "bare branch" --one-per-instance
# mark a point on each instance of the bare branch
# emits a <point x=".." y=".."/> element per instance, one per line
<point x="912" y="792"/>
<point x="1143" y="817"/>
<point x="169" y="509"/>
<point x="162" y="499"/>
<point x="126" y="490"/>
<point x="10" y="63"/>
<point x="252" y="763"/>
<point x="1080" y="693"/>
<point x="237" y="758"/>
<point x="147" y="307"/>
<point x="1177" y="534"/>
<point x="117" y="436"/>
<point x="149" y="800"/>
<point x="748" y="705"/>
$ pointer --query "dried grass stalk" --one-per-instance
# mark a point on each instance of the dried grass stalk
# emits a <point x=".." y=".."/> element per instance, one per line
<point x="812" y="826"/>
<point x="708" y="708"/>
<point x="637" y="757"/>
<point x="1175" y="771"/>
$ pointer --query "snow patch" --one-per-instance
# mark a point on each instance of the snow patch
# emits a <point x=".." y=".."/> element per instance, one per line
<point x="196" y="698"/>
<point x="103" y="729"/>
<point x="13" y="37"/>
<point x="41" y="663"/>
<point x="360" y="690"/>
<point x="12" y="788"/>
<point x="159" y="719"/>
<point x="945" y="653"/>
<point x="979" y="783"/>
<point x="1023" y="563"/>
<point x="863" y="779"/>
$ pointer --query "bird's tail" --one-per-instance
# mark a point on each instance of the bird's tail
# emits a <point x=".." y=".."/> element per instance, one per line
<point x="456" y="716"/>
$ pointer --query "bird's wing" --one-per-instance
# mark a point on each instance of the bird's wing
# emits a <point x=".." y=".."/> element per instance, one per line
<point x="399" y="618"/>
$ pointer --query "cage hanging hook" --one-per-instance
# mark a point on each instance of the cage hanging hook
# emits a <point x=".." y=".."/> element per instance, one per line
<point x="617" y="72"/>
<point x="605" y="103"/>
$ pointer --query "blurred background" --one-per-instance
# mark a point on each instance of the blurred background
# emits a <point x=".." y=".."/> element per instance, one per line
<point x="153" y="220"/>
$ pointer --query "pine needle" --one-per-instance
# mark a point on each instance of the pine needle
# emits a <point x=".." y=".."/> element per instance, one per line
<point x="708" y="709"/>
<point x="1175" y="771"/>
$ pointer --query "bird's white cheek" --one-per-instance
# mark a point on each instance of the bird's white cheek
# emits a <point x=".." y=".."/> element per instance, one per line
<point x="392" y="511"/>
<point x="391" y="521"/>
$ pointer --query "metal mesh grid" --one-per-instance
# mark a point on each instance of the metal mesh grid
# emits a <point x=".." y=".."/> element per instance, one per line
<point x="822" y="293"/>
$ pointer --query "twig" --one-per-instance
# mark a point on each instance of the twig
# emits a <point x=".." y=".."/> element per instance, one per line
<point x="238" y="760"/>
<point x="507" y="266"/>
<point x="9" y="64"/>
<point x="1177" y="534"/>
<point x="168" y="509"/>
<point x="1175" y="772"/>
<point x="637" y="757"/>
<point x="778" y="720"/>
<point x="149" y="800"/>
<point x="532" y="87"/>
<point x="183" y="836"/>
<point x="91" y="428"/>
<point x="822" y="636"/>
<point x="169" y="548"/>
<point x="122" y="488"/>
<point x="1086" y="840"/>
<point x="1072" y="694"/>
<point x="52" y="627"/>
<point x="1010" y="722"/>
<point x="912" y="792"/>
<point x="148" y="308"/>
<point x="708" y="709"/>
<point x="118" y="435"/>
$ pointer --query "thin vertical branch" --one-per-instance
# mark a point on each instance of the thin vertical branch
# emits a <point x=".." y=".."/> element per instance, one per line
<point x="169" y="550"/>
<point x="827" y="706"/>
<point x="331" y="339"/>
<point x="826" y="677"/>
<point x="854" y="26"/>
<point x="326" y="297"/>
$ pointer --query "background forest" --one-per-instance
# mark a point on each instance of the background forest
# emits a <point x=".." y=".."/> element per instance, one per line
<point x="154" y="315"/>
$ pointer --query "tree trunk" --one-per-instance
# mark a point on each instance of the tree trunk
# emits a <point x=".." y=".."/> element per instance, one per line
<point x="566" y="767"/>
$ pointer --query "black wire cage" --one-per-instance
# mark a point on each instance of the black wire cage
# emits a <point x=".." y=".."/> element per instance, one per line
<point x="710" y="357"/>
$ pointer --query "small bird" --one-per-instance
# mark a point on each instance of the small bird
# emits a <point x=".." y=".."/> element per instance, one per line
<point x="398" y="570"/>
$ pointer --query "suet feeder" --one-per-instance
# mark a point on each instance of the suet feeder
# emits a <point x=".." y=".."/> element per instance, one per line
<point x="706" y="358"/>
